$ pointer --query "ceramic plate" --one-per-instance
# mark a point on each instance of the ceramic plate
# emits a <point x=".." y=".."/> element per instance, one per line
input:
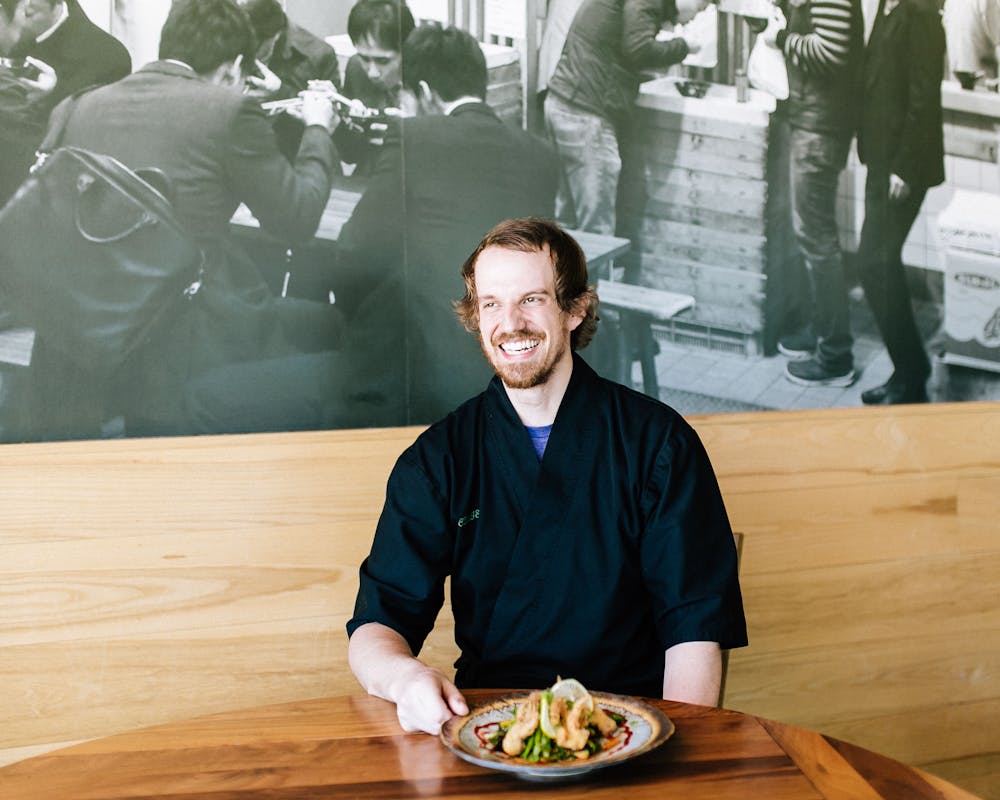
<point x="644" y="729"/>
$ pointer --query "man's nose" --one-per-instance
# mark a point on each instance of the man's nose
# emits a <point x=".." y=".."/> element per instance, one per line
<point x="374" y="73"/>
<point x="513" y="319"/>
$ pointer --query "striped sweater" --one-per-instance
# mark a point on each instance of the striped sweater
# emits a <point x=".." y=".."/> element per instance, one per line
<point x="826" y="48"/>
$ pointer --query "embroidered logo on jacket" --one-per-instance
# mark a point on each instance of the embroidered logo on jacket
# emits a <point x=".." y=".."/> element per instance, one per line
<point x="468" y="518"/>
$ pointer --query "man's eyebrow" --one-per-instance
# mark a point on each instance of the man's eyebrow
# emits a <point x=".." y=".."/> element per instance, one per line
<point x="529" y="293"/>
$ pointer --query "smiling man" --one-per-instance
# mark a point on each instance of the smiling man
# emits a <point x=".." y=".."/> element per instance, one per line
<point x="580" y="521"/>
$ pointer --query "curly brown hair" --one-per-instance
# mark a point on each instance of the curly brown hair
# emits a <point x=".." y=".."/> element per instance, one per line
<point x="532" y="235"/>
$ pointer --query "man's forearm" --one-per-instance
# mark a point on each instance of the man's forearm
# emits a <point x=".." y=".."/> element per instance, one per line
<point x="378" y="657"/>
<point x="693" y="673"/>
<point x="385" y="666"/>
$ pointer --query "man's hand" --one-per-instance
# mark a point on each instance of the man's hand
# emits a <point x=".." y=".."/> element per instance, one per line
<point x="383" y="664"/>
<point x="44" y="82"/>
<point x="898" y="188"/>
<point x="264" y="85"/>
<point x="316" y="109"/>
<point x="425" y="699"/>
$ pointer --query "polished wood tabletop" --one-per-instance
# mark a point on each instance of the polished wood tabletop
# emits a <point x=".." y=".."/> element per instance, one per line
<point x="353" y="747"/>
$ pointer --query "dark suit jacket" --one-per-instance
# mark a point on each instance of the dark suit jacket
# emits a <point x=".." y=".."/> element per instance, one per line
<point x="217" y="148"/>
<point x="435" y="192"/>
<point x="82" y="54"/>
<point x="901" y="124"/>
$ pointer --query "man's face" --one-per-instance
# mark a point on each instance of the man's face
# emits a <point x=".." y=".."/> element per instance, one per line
<point x="523" y="332"/>
<point x="35" y="17"/>
<point x="381" y="65"/>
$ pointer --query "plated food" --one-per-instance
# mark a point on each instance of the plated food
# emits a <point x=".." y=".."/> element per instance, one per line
<point x="557" y="724"/>
<point x="558" y="732"/>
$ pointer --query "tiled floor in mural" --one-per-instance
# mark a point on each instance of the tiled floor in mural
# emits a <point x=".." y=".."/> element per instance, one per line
<point x="697" y="380"/>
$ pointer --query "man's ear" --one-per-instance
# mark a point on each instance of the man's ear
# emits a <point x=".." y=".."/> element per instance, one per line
<point x="428" y="97"/>
<point x="581" y="305"/>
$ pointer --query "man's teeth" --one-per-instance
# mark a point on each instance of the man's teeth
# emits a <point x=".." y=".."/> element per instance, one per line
<point x="519" y="346"/>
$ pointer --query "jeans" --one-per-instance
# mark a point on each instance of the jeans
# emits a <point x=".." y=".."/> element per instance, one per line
<point x="816" y="162"/>
<point x="590" y="166"/>
<point x="887" y="224"/>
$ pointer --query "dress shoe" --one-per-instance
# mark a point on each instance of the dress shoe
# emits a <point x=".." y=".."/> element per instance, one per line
<point x="894" y="393"/>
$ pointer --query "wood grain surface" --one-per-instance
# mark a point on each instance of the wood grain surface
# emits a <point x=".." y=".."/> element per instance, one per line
<point x="353" y="747"/>
<point x="144" y="581"/>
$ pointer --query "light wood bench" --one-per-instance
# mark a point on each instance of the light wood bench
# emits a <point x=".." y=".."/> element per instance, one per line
<point x="149" y="580"/>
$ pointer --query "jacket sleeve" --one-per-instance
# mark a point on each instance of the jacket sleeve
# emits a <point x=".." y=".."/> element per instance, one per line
<point x="402" y="580"/>
<point x="688" y="556"/>
<point x="924" y="70"/>
<point x="641" y="21"/>
<point x="288" y="199"/>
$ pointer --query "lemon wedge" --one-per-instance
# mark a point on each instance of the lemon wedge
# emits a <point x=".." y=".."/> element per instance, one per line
<point x="573" y="691"/>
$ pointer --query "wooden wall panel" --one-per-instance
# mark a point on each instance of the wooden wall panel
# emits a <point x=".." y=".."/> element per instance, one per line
<point x="149" y="580"/>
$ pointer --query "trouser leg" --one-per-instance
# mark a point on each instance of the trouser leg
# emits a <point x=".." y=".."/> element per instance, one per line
<point x="817" y="160"/>
<point x="883" y="276"/>
<point x="590" y="166"/>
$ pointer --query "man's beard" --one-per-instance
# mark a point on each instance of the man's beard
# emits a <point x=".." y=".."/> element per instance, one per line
<point x="523" y="375"/>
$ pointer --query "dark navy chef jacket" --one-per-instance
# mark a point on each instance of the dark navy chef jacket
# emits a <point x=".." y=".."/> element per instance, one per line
<point x="588" y="564"/>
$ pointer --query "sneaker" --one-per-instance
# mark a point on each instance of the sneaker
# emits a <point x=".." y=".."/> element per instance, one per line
<point x="811" y="373"/>
<point x="797" y="346"/>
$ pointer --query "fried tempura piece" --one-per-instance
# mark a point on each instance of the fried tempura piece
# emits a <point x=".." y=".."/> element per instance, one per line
<point x="602" y="722"/>
<point x="573" y="733"/>
<point x="525" y="722"/>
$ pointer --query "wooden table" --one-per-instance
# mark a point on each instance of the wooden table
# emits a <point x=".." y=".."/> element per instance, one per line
<point x="353" y="747"/>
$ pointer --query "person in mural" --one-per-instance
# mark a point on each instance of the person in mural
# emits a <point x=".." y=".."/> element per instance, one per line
<point x="580" y="521"/>
<point x="901" y="141"/>
<point x="288" y="52"/>
<point x="288" y="57"/>
<point x="58" y="33"/>
<point x="378" y="29"/>
<point x="24" y="83"/>
<point x="187" y="116"/>
<point x="589" y="107"/>
<point x="451" y="173"/>
<point x="822" y="44"/>
<point x="54" y="50"/>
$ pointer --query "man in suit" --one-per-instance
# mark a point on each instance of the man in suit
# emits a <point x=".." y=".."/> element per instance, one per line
<point x="288" y="57"/>
<point x="377" y="29"/>
<point x="60" y="34"/>
<point x="901" y="141"/>
<point x="21" y="124"/>
<point x="185" y="115"/>
<point x="454" y="172"/>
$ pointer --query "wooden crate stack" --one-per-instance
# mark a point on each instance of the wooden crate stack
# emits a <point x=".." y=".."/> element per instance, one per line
<point x="705" y="229"/>
<point x="504" y="91"/>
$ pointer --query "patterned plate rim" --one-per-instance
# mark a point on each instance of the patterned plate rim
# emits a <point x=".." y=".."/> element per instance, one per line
<point x="660" y="726"/>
